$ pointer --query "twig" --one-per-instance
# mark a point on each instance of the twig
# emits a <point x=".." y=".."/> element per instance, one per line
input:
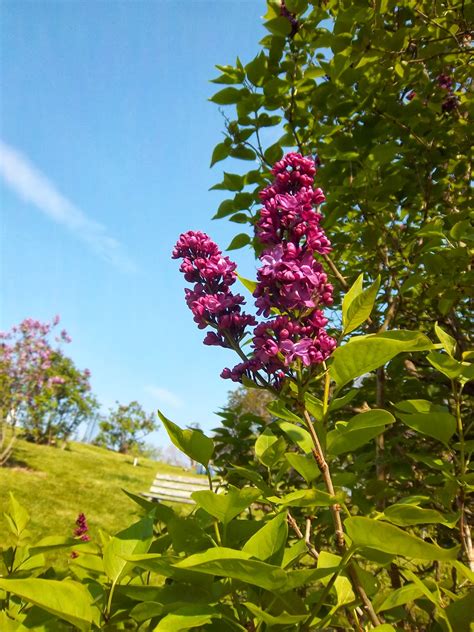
<point x="336" y="272"/>
<point x="294" y="525"/>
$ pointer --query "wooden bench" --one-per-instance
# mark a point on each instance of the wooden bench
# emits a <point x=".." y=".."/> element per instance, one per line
<point x="176" y="489"/>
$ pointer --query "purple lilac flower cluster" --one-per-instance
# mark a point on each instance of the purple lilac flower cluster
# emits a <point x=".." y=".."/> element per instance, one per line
<point x="290" y="280"/>
<point x="80" y="532"/>
<point x="450" y="102"/>
<point x="82" y="528"/>
<point x="211" y="300"/>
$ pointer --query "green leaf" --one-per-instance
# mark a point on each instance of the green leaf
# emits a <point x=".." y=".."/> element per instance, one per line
<point x="193" y="443"/>
<point x="399" y="597"/>
<point x="250" y="285"/>
<point x="358" y="309"/>
<point x="146" y="610"/>
<point x="239" y="241"/>
<point x="54" y="542"/>
<point x="304" y="465"/>
<point x="438" y="425"/>
<point x="187" y="617"/>
<point x="255" y="477"/>
<point x="352" y="293"/>
<point x="446" y="340"/>
<point x="270" y="539"/>
<point x="374" y="534"/>
<point x="228" y="96"/>
<point x="342" y="584"/>
<point x="306" y="498"/>
<point x="243" y="153"/>
<point x="282" y="618"/>
<point x="462" y="231"/>
<point x="296" y="6"/>
<point x="278" y="409"/>
<point x="269" y="449"/>
<point x="160" y="511"/>
<point x="264" y="441"/>
<point x="298" y="435"/>
<point x="445" y="364"/>
<point x="419" y="406"/>
<point x="459" y="613"/>
<point x="279" y="26"/>
<point x="226" y="207"/>
<point x="227" y="506"/>
<point x="363" y="354"/>
<point x="133" y="540"/>
<point x="67" y="600"/>
<point x="349" y="436"/>
<point x="340" y="402"/>
<point x="221" y="151"/>
<point x="406" y="514"/>
<point x="256" y="69"/>
<point x="274" y="153"/>
<point x="314" y="406"/>
<point x="226" y="562"/>
<point x="18" y="515"/>
<point x="231" y="182"/>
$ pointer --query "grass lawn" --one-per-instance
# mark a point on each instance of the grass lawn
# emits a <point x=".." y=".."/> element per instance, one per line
<point x="55" y="485"/>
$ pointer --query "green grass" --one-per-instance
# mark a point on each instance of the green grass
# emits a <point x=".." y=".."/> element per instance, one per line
<point x="55" y="485"/>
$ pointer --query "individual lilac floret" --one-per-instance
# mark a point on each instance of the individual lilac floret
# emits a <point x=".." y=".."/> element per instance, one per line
<point x="211" y="301"/>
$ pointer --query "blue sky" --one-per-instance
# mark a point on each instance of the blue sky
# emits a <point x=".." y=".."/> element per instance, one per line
<point x="106" y="136"/>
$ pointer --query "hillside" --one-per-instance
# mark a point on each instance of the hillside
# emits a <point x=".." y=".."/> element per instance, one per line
<point x="56" y="485"/>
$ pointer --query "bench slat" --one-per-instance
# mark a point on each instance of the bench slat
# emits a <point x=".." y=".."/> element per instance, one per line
<point x="183" y="479"/>
<point x="175" y="488"/>
<point x="171" y="499"/>
<point x="173" y="485"/>
<point x="169" y="491"/>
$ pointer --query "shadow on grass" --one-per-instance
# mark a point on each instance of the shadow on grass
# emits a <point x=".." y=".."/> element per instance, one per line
<point x="17" y="464"/>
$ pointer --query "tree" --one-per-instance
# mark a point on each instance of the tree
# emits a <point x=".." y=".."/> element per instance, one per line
<point x="125" y="428"/>
<point x="242" y="419"/>
<point x="41" y="390"/>
<point x="63" y="405"/>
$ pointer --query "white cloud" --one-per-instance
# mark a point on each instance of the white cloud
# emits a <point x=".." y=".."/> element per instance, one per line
<point x="164" y="396"/>
<point x="35" y="188"/>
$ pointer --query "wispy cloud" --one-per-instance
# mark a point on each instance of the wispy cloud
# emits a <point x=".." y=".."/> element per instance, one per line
<point x="164" y="396"/>
<point x="34" y="187"/>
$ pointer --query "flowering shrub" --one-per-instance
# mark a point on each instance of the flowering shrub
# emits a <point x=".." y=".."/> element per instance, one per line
<point x="41" y="389"/>
<point x="352" y="511"/>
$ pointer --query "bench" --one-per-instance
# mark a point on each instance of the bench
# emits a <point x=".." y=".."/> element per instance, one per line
<point x="176" y="489"/>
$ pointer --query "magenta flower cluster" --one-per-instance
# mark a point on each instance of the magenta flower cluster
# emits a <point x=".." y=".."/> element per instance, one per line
<point x="451" y="101"/>
<point x="81" y="532"/>
<point x="290" y="281"/>
<point x="82" y="528"/>
<point x="211" y="300"/>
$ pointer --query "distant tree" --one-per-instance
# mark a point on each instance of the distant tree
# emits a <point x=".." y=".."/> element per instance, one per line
<point x="65" y="402"/>
<point x="125" y="428"/>
<point x="250" y="400"/>
<point x="40" y="388"/>
<point x="243" y="417"/>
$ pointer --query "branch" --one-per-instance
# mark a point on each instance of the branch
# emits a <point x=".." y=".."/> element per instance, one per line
<point x="336" y="515"/>
<point x="294" y="525"/>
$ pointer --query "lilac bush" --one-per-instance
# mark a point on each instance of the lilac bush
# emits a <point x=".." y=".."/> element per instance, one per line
<point x="41" y="389"/>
